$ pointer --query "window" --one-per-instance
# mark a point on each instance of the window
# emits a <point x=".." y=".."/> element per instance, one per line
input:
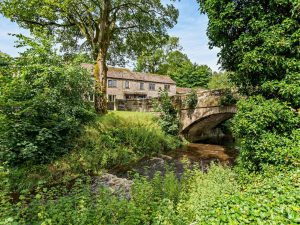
<point x="141" y="86"/>
<point x="152" y="87"/>
<point x="112" y="83"/>
<point x="111" y="98"/>
<point x="167" y="87"/>
<point x="126" y="84"/>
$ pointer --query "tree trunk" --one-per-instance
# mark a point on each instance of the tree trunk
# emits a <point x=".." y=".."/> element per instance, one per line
<point x="100" y="74"/>
<point x="100" y="71"/>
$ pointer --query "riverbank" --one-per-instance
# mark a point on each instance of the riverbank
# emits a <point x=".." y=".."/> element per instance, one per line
<point x="119" y="138"/>
<point x="77" y="189"/>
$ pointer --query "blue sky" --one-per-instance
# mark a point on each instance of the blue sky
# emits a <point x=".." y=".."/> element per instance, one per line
<point x="191" y="29"/>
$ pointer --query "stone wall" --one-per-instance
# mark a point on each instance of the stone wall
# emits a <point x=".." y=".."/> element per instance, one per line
<point x="142" y="105"/>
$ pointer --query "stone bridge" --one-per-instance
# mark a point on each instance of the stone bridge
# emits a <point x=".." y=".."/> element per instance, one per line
<point x="198" y="123"/>
<point x="201" y="122"/>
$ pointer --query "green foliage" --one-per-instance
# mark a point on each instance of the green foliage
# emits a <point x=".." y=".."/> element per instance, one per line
<point x="115" y="140"/>
<point x="118" y="141"/>
<point x="200" y="192"/>
<point x="259" y="42"/>
<point x="168" y="119"/>
<point x="268" y="198"/>
<point x="220" y="196"/>
<point x="169" y="60"/>
<point x="191" y="99"/>
<point x="109" y="29"/>
<point x="268" y="133"/>
<point x="42" y="106"/>
<point x="6" y="208"/>
<point x="228" y="98"/>
<point x="151" y="202"/>
<point x="220" y="80"/>
<point x="157" y="60"/>
<point x="190" y="75"/>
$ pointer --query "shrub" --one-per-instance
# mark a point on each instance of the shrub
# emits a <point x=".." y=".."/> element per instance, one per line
<point x="192" y="99"/>
<point x="42" y="109"/>
<point x="228" y="98"/>
<point x="268" y="133"/>
<point x="168" y="114"/>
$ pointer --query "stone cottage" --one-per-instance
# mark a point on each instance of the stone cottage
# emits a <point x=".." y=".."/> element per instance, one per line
<point x="124" y="84"/>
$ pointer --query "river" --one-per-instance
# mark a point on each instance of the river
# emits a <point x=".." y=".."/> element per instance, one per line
<point x="201" y="155"/>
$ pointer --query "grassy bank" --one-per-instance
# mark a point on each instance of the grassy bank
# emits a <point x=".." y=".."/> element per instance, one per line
<point x="119" y="138"/>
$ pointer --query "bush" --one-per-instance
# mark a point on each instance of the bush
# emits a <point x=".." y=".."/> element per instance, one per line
<point x="192" y="99"/>
<point x="268" y="133"/>
<point x="42" y="109"/>
<point x="168" y="114"/>
<point x="228" y="98"/>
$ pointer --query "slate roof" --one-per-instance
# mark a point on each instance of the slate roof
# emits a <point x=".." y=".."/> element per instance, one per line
<point x="126" y="74"/>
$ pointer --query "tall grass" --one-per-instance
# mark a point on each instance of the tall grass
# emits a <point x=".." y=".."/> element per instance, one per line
<point x="116" y="139"/>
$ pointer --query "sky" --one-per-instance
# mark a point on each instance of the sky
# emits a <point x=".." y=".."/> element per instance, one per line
<point x="191" y="30"/>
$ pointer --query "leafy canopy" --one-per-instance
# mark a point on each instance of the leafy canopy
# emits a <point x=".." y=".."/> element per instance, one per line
<point x="167" y="59"/>
<point x="123" y="27"/>
<point x="260" y="43"/>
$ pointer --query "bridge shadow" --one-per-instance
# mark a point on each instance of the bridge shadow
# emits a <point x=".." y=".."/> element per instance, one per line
<point x="202" y="124"/>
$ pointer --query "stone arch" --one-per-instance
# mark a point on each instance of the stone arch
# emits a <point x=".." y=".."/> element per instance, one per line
<point x="199" y="124"/>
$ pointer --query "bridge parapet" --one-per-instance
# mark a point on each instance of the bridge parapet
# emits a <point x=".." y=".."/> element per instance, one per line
<point x="209" y="98"/>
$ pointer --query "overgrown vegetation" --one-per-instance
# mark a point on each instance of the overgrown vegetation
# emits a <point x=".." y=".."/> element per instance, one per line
<point x="263" y="52"/>
<point x="191" y="99"/>
<point x="228" y="98"/>
<point x="168" y="118"/>
<point x="115" y="140"/>
<point x="42" y="105"/>
<point x="217" y="197"/>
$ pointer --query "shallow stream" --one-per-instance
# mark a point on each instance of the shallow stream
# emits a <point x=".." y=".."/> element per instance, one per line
<point x="200" y="155"/>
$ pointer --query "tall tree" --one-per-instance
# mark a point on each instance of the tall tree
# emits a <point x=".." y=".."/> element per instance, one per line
<point x="155" y="60"/>
<point x="167" y="59"/>
<point x="259" y="40"/>
<point x="111" y="29"/>
<point x="260" y="43"/>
